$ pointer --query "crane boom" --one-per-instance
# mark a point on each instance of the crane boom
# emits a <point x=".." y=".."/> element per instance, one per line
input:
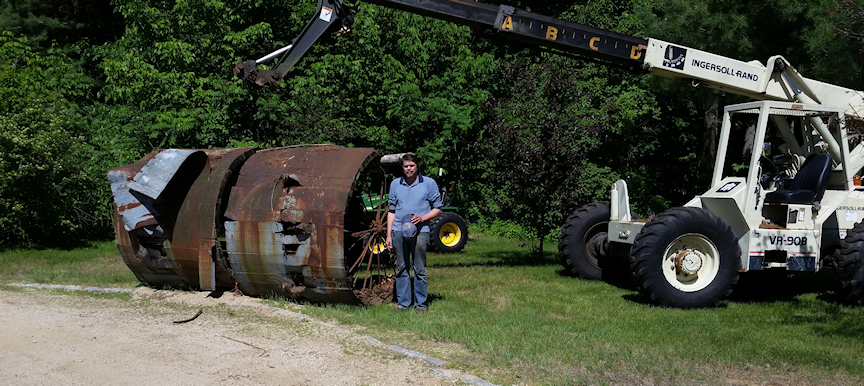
<point x="502" y="21"/>
<point x="775" y="80"/>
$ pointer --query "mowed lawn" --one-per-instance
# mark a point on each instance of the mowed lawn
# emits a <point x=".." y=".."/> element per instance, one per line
<point x="512" y="317"/>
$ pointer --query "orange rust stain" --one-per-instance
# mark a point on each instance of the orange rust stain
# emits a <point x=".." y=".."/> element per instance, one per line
<point x="131" y="205"/>
<point x="325" y="148"/>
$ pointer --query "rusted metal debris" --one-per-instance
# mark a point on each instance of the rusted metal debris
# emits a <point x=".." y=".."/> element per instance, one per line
<point x="284" y="221"/>
<point x="190" y="319"/>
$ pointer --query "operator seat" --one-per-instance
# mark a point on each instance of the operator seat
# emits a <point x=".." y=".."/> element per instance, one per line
<point x="809" y="184"/>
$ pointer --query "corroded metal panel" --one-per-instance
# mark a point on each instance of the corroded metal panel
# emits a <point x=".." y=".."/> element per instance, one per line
<point x="193" y="238"/>
<point x="174" y="244"/>
<point x="281" y="212"/>
<point x="154" y="176"/>
<point x="131" y="212"/>
<point x="286" y="215"/>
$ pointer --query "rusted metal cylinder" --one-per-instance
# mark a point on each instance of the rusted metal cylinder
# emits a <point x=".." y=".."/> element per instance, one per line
<point x="267" y="222"/>
<point x="167" y="216"/>
<point x="285" y="222"/>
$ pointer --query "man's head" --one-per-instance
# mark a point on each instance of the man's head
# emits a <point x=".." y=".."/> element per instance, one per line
<point x="409" y="165"/>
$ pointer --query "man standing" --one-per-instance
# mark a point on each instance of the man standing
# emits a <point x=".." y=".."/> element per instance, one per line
<point x="414" y="200"/>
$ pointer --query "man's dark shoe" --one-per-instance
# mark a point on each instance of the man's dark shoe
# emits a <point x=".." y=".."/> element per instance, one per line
<point x="420" y="310"/>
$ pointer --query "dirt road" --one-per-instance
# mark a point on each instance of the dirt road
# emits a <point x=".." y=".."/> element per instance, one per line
<point x="50" y="338"/>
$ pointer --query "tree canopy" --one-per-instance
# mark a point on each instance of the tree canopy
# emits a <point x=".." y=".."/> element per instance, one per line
<point x="90" y="85"/>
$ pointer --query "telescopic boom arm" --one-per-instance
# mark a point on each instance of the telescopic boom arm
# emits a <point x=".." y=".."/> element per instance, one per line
<point x="775" y="80"/>
<point x="503" y="21"/>
<point x="331" y="16"/>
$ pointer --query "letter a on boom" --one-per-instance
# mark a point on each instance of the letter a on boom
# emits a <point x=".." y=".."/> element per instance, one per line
<point x="508" y="24"/>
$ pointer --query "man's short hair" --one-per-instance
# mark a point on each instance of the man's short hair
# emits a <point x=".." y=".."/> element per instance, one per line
<point x="410" y="157"/>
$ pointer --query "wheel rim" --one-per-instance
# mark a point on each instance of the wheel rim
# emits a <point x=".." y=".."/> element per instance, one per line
<point x="691" y="262"/>
<point x="595" y="240"/>
<point x="377" y="246"/>
<point x="450" y="234"/>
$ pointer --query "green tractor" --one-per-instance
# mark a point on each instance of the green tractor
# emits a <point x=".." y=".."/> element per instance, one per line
<point x="448" y="232"/>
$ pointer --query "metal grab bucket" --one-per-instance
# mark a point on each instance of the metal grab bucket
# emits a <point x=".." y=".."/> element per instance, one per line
<point x="265" y="222"/>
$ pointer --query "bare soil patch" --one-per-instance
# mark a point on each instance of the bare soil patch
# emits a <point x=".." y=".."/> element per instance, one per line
<point x="50" y="338"/>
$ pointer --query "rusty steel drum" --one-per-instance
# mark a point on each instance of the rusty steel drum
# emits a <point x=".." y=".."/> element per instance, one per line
<point x="264" y="222"/>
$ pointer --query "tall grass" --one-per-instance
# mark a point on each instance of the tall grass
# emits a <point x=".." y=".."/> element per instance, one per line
<point x="99" y="264"/>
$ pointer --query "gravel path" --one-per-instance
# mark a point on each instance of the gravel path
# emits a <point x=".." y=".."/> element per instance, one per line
<point x="51" y="338"/>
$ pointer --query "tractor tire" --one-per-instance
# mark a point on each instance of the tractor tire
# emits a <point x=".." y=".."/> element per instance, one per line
<point x="448" y="233"/>
<point x="848" y="264"/>
<point x="583" y="248"/>
<point x="686" y="258"/>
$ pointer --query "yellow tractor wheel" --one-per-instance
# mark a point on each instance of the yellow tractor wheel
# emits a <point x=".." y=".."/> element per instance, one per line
<point x="448" y="233"/>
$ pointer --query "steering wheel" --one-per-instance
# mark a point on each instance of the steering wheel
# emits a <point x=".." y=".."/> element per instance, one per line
<point x="767" y="171"/>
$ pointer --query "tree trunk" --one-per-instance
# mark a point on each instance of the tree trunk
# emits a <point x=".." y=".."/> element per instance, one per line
<point x="709" y="138"/>
<point x="542" y="238"/>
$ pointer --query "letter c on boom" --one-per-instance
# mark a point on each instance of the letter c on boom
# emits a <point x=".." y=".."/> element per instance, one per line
<point x="592" y="45"/>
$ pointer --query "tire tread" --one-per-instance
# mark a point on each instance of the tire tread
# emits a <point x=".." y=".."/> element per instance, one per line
<point x="848" y="264"/>
<point x="645" y="253"/>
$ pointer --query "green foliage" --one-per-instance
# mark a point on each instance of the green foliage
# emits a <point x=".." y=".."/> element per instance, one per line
<point x="531" y="135"/>
<point x="553" y="138"/>
<point x="51" y="187"/>
<point x="170" y="74"/>
<point x="46" y="23"/>
<point x="400" y="82"/>
<point x="851" y="24"/>
<point x="803" y="31"/>
<point x="539" y="151"/>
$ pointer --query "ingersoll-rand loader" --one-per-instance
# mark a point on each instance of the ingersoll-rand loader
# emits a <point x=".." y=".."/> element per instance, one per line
<point x="782" y="212"/>
<point x="791" y="204"/>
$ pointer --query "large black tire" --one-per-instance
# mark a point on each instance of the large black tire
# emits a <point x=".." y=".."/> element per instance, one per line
<point x="583" y="248"/>
<point x="848" y="264"/>
<point x="448" y="233"/>
<point x="686" y="258"/>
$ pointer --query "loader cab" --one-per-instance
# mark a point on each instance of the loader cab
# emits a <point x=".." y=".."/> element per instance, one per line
<point x="785" y="183"/>
<point x="776" y="155"/>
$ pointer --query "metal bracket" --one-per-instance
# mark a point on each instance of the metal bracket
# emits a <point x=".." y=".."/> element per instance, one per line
<point x="504" y="10"/>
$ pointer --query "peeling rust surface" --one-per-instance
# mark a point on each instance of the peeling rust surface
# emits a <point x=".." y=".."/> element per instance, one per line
<point x="286" y="217"/>
<point x="176" y="245"/>
<point x="130" y="210"/>
<point x="270" y="222"/>
<point x="194" y="238"/>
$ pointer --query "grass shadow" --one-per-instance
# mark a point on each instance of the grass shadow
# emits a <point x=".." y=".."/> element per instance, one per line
<point x="499" y="259"/>
<point x="783" y="286"/>
<point x="637" y="298"/>
<point x="777" y="287"/>
<point x="827" y="319"/>
<point x="433" y="297"/>
<point x="60" y="245"/>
